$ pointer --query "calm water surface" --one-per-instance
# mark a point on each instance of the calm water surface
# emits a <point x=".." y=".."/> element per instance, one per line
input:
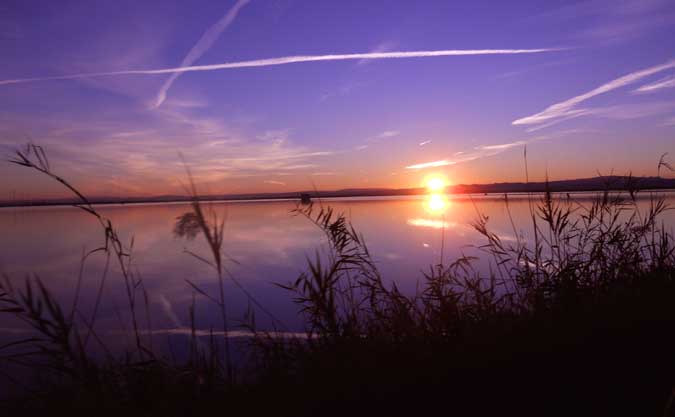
<point x="266" y="243"/>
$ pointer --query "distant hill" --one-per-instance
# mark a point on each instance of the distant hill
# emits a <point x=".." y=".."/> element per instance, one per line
<point x="612" y="183"/>
<point x="615" y="183"/>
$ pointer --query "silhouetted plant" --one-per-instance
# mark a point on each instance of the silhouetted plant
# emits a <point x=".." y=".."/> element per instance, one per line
<point x="607" y="265"/>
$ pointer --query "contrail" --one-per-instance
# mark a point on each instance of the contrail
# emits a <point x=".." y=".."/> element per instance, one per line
<point x="204" y="44"/>
<point x="664" y="83"/>
<point x="566" y="109"/>
<point x="287" y="60"/>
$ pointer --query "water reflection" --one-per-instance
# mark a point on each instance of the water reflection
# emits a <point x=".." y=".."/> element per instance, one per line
<point x="267" y="242"/>
<point x="434" y="224"/>
<point x="435" y="208"/>
<point x="437" y="203"/>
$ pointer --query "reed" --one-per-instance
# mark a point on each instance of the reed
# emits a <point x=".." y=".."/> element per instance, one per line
<point x="574" y="319"/>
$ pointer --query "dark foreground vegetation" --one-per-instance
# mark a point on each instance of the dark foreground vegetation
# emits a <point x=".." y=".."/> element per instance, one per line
<point x="576" y="320"/>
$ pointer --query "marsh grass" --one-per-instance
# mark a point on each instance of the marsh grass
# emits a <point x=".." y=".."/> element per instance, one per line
<point x="62" y="345"/>
<point x="580" y="251"/>
<point x="573" y="319"/>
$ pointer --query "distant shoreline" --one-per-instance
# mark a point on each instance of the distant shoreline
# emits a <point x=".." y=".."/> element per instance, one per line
<point x="598" y="184"/>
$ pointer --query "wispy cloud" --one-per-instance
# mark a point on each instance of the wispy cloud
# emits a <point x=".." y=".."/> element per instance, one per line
<point x="204" y="44"/>
<point x="633" y="111"/>
<point x="476" y="153"/>
<point x="378" y="138"/>
<point x="289" y="60"/>
<point x="109" y="157"/>
<point x="616" y="112"/>
<point x="133" y="133"/>
<point x="432" y="164"/>
<point x="603" y="21"/>
<point x="668" y="82"/>
<point x="183" y="103"/>
<point x="273" y="182"/>
<point x="276" y="156"/>
<point x="567" y="109"/>
<point x="426" y="142"/>
<point x="388" y="134"/>
<point x="501" y="147"/>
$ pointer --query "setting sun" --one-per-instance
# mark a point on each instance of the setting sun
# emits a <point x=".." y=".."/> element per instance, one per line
<point x="435" y="184"/>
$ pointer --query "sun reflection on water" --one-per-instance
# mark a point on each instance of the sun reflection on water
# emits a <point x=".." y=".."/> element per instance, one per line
<point x="435" y="206"/>
<point x="437" y="203"/>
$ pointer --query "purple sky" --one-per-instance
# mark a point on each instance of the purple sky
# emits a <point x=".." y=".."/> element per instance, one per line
<point x="588" y="86"/>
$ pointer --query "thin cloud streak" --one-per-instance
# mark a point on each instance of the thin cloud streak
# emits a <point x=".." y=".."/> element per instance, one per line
<point x="204" y="44"/>
<point x="282" y="156"/>
<point x="659" y="85"/>
<point x="617" y="112"/>
<point x="388" y="134"/>
<point x="432" y="164"/>
<point x="501" y="147"/>
<point x="289" y="60"/>
<point x="477" y="153"/>
<point x="273" y="182"/>
<point x="567" y="108"/>
<point x="378" y="138"/>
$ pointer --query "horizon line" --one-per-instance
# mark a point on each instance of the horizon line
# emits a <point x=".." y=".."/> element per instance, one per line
<point x="295" y="195"/>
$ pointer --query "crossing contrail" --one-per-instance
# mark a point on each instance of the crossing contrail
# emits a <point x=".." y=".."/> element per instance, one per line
<point x="286" y="60"/>
<point x="203" y="44"/>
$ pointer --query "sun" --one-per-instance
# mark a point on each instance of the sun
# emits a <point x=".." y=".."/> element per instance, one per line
<point x="435" y="184"/>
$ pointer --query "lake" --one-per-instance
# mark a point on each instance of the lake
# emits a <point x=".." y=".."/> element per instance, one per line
<point x="265" y="243"/>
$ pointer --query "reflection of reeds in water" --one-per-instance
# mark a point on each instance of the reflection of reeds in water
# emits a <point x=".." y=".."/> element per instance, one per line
<point x="593" y="290"/>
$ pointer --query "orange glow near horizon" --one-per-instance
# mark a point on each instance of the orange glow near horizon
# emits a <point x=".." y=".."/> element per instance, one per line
<point x="435" y="183"/>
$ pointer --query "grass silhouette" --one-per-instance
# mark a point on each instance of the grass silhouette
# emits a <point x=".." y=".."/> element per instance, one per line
<point x="577" y="321"/>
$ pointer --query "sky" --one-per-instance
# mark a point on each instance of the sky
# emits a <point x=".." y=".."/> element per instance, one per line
<point x="287" y="95"/>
